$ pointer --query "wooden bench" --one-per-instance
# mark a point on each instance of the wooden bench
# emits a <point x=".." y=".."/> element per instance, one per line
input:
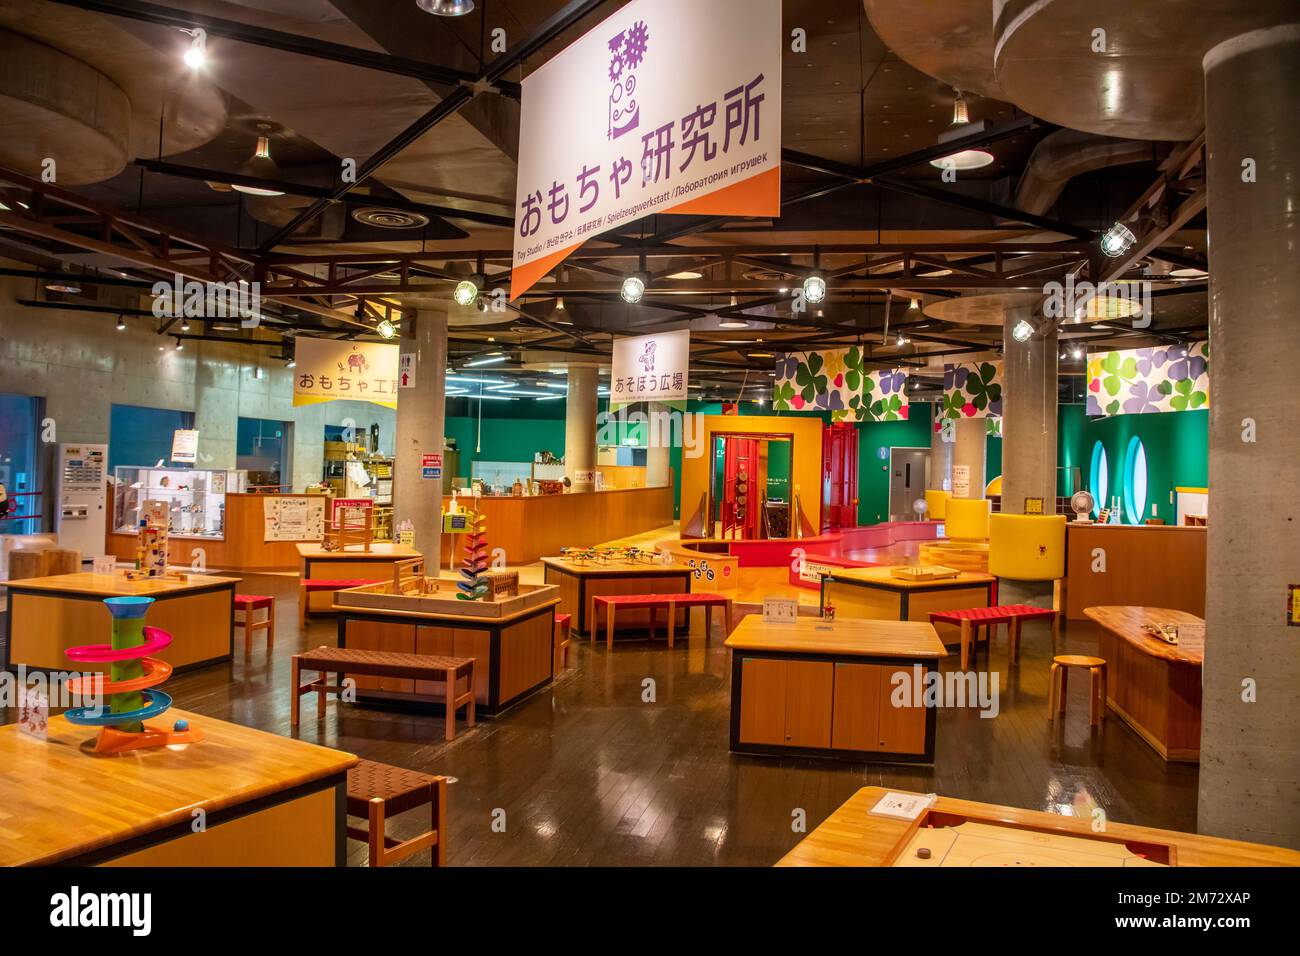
<point x="651" y="602"/>
<point x="1009" y="614"/>
<point x="377" y="791"/>
<point x="347" y="660"/>
<point x="309" y="586"/>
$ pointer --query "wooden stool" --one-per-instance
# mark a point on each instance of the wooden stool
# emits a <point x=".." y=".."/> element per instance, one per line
<point x="377" y="791"/>
<point x="1061" y="665"/>
<point x="563" y="625"/>
<point x="248" y="603"/>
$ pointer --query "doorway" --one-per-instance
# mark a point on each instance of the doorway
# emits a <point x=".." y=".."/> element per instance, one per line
<point x="907" y="470"/>
<point x="750" y="486"/>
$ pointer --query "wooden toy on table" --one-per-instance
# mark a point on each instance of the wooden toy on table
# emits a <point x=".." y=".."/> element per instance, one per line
<point x="129" y="685"/>
<point x="473" y="584"/>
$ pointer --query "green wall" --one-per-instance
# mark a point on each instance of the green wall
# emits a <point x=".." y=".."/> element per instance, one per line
<point x="1178" y="453"/>
<point x="873" y="472"/>
<point x="505" y="439"/>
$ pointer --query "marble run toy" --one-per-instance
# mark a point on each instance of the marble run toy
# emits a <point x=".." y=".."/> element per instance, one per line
<point x="473" y="569"/>
<point x="129" y="685"/>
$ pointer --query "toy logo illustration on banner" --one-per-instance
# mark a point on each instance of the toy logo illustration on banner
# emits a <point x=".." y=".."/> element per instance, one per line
<point x="668" y="106"/>
<point x="1167" y="378"/>
<point x="328" y="370"/>
<point x="650" y="368"/>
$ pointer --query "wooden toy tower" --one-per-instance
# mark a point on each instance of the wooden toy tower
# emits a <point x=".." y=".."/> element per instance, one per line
<point x="473" y="568"/>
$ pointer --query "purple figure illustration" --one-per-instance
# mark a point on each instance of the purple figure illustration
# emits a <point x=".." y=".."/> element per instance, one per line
<point x="647" y="358"/>
<point x="627" y="49"/>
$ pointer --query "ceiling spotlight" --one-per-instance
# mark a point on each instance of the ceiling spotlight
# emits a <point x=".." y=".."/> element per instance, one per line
<point x="559" y="305"/>
<point x="1076" y="353"/>
<point x="1022" y="331"/>
<point x="446" y="8"/>
<point x="385" y="328"/>
<point x="185" y="325"/>
<point x="1117" y="240"/>
<point x="914" y="305"/>
<point x="964" y="159"/>
<point x="900" y="341"/>
<point x="260" y="166"/>
<point x="180" y="346"/>
<point x="814" y="288"/>
<point x="482" y="305"/>
<point x="467" y="290"/>
<point x="960" y="111"/>
<point x="633" y="287"/>
<point x="121" y="324"/>
<point x="197" y="54"/>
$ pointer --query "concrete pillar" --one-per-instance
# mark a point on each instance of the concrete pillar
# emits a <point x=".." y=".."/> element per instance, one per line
<point x="580" y="426"/>
<point x="1029" y="371"/>
<point x="939" y="477"/>
<point x="658" y="474"/>
<point x="1250" y="748"/>
<point x="968" y="454"/>
<point x="421" y="415"/>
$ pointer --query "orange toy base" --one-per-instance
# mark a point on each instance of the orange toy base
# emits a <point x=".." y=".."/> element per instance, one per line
<point x="114" y="741"/>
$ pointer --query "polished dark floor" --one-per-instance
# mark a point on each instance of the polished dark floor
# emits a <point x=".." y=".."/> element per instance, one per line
<point x="587" y="772"/>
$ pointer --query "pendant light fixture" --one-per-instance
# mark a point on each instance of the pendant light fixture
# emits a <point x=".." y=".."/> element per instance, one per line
<point x="260" y="165"/>
<point x="446" y="8"/>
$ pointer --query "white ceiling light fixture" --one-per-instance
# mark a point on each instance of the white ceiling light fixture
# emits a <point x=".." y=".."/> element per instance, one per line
<point x="1076" y="353"/>
<point x="1117" y="240"/>
<point x="386" y="329"/>
<point x="814" y="286"/>
<point x="914" y="305"/>
<point x="1188" y="273"/>
<point x="446" y="8"/>
<point x="68" y="286"/>
<point x="485" y="360"/>
<point x="197" y="55"/>
<point x="686" y="275"/>
<point x="633" y="288"/>
<point x="960" y="109"/>
<point x="964" y="159"/>
<point x="1022" y="331"/>
<point x="732" y="322"/>
<point x="121" y="324"/>
<point x="260" y="165"/>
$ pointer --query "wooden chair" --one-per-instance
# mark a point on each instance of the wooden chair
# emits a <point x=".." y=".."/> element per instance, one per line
<point x="377" y="791"/>
<point x="249" y="604"/>
<point x="563" y="629"/>
<point x="1061" y="665"/>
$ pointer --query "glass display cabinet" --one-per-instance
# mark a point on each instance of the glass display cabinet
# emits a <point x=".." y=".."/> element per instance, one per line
<point x="196" y="498"/>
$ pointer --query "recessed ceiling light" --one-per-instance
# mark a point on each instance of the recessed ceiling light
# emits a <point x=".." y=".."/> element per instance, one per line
<point x="964" y="159"/>
<point x="1189" y="273"/>
<point x="446" y="8"/>
<point x="687" y="275"/>
<point x="732" y="322"/>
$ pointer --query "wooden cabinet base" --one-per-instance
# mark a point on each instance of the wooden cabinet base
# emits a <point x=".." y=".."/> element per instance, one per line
<point x="513" y="656"/>
<point x="579" y="583"/>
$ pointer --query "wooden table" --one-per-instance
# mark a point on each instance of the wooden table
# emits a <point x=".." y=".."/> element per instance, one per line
<point x="268" y="800"/>
<point x="580" y="581"/>
<point x="355" y="564"/>
<point x="852" y="837"/>
<point x="46" y="616"/>
<point x="819" y="689"/>
<point x="1154" y="686"/>
<point x="874" y="593"/>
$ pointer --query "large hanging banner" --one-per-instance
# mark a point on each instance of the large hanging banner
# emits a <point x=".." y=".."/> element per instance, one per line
<point x="668" y="106"/>
<point x="329" y="369"/>
<point x="972" y="391"/>
<point x="650" y="368"/>
<point x="835" y="380"/>
<point x="1167" y="378"/>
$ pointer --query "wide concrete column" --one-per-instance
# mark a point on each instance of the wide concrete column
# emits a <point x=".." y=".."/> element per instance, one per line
<point x="658" y="473"/>
<point x="580" y="427"/>
<point x="421" y="416"/>
<point x="968" y="453"/>
<point x="1029" y="372"/>
<point x="942" y="438"/>
<point x="1250" y="726"/>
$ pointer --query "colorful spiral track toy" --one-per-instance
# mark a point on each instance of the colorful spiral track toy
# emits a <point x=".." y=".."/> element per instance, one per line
<point x="130" y="684"/>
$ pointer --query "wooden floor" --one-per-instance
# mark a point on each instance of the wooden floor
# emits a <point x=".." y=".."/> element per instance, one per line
<point x="587" y="773"/>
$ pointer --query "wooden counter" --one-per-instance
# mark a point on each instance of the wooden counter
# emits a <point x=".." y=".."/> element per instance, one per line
<point x="268" y="800"/>
<point x="818" y="689"/>
<point x="1154" y="686"/>
<point x="529" y="528"/>
<point x="513" y="655"/>
<point x="875" y="594"/>
<point x="353" y="564"/>
<point x="579" y="582"/>
<point x="852" y="837"/>
<point x="46" y="616"/>
<point x="1152" y="565"/>
<point x="240" y="548"/>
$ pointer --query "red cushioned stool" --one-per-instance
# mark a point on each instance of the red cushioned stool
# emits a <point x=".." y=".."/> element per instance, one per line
<point x="563" y="624"/>
<point x="1010" y="614"/>
<point x="249" y="604"/>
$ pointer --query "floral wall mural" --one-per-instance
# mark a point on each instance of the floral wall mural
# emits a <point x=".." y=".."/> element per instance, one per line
<point x="972" y="391"/>
<point x="1166" y="378"/>
<point x="835" y="380"/>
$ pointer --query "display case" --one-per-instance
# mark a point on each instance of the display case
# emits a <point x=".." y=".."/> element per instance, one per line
<point x="196" y="498"/>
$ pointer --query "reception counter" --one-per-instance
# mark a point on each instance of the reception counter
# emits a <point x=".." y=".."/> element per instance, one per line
<point x="530" y="528"/>
<point x="266" y="800"/>
<point x="1152" y="565"/>
<point x="965" y="833"/>
<point x="49" y="615"/>
<point x="824" y="689"/>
